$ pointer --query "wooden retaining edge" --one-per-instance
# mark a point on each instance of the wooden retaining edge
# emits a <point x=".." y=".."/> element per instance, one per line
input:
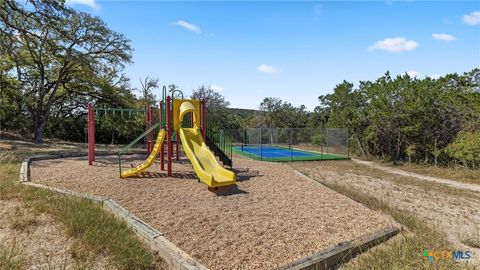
<point x="174" y="256"/>
<point x="331" y="257"/>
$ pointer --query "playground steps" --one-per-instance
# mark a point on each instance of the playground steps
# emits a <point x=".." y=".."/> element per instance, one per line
<point x="226" y="160"/>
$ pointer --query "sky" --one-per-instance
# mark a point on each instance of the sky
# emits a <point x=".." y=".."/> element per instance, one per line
<point x="295" y="51"/>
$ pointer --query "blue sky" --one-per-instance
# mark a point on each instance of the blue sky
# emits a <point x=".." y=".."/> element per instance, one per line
<point x="292" y="50"/>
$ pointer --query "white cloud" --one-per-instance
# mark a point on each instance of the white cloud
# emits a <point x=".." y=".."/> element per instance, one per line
<point x="472" y="18"/>
<point x="413" y="73"/>
<point x="192" y="27"/>
<point x="216" y="88"/>
<point x="434" y="76"/>
<point x="444" y="37"/>
<point x="396" y="44"/>
<point x="90" y="3"/>
<point x="267" y="69"/>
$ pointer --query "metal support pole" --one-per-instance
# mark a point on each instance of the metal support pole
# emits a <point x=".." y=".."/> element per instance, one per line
<point x="162" y="148"/>
<point x="177" y="138"/>
<point x="261" y="151"/>
<point x="169" y="137"/>
<point x="147" y="143"/>
<point x="152" y="137"/>
<point x="203" y="116"/>
<point x="91" y="134"/>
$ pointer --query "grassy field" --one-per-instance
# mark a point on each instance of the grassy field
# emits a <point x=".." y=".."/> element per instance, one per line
<point x="98" y="239"/>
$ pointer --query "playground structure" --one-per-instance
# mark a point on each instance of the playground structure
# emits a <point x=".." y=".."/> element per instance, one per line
<point x="192" y="136"/>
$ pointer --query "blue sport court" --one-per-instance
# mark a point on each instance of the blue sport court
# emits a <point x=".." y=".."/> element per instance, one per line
<point x="279" y="153"/>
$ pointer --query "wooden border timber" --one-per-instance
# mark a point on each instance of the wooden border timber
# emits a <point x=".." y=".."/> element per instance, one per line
<point x="333" y="256"/>
<point x="174" y="256"/>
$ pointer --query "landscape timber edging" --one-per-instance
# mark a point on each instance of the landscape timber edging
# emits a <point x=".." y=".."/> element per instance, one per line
<point x="174" y="256"/>
<point x="330" y="258"/>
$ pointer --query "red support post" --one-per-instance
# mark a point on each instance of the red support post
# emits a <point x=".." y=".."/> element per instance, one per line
<point x="91" y="134"/>
<point x="169" y="137"/>
<point x="203" y="115"/>
<point x="162" y="148"/>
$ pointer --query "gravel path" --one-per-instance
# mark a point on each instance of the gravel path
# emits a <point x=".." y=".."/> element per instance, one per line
<point x="272" y="218"/>
<point x="451" y="183"/>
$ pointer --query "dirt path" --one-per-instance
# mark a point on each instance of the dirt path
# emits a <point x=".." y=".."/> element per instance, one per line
<point x="451" y="210"/>
<point x="452" y="183"/>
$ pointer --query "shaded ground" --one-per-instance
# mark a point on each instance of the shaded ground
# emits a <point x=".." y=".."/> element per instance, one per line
<point x="272" y="218"/>
<point x="453" y="211"/>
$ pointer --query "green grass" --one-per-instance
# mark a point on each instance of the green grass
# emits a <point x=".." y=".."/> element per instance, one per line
<point x="404" y="251"/>
<point x="96" y="232"/>
<point x="11" y="257"/>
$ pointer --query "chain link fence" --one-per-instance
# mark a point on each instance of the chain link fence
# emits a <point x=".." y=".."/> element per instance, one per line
<point x="289" y="144"/>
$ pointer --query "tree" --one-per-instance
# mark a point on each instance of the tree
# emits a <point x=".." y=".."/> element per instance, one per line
<point x="148" y="84"/>
<point x="54" y="47"/>
<point x="214" y="100"/>
<point x="270" y="108"/>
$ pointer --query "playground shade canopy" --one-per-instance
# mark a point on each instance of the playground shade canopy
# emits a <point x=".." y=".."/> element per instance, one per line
<point x="279" y="153"/>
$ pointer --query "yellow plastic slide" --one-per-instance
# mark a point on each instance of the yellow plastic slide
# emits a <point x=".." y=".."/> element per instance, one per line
<point x="151" y="158"/>
<point x="204" y="162"/>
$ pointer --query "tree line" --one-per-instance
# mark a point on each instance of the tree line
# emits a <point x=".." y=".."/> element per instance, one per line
<point x="396" y="118"/>
<point x="54" y="60"/>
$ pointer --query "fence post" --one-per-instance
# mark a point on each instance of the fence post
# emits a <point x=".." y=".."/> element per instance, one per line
<point x="91" y="134"/>
<point x="261" y="151"/>
<point x="327" y="140"/>
<point x="348" y="145"/>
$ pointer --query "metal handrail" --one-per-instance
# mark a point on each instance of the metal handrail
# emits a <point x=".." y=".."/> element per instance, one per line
<point x="152" y="128"/>
<point x="138" y="138"/>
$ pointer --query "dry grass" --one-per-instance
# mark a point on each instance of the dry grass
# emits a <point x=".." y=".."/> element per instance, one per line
<point x="358" y="169"/>
<point x="11" y="257"/>
<point x="404" y="251"/>
<point x="100" y="240"/>
<point x="22" y="220"/>
<point x="458" y="174"/>
<point x="471" y="240"/>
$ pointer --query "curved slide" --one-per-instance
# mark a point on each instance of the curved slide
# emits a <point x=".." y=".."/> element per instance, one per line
<point x="151" y="158"/>
<point x="203" y="161"/>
